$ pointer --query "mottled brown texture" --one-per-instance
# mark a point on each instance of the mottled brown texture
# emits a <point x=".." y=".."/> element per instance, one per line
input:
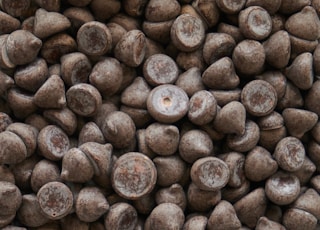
<point x="255" y="23"/>
<point x="72" y="161"/>
<point x="131" y="48"/>
<point x="231" y="7"/>
<point x="15" y="8"/>
<point x="83" y="99"/>
<point x="55" y="21"/>
<point x="55" y="200"/>
<point x="160" y="69"/>
<point x="308" y="15"/>
<point x="51" y="94"/>
<point x="133" y="175"/>
<point x="43" y="172"/>
<point x="278" y="49"/>
<point x="259" y="97"/>
<point x="10" y="198"/>
<point x="13" y="149"/>
<point x="289" y="153"/>
<point x="235" y="162"/>
<point x="75" y="68"/>
<point x="221" y="75"/>
<point x="165" y="216"/>
<point x="30" y="213"/>
<point x="254" y="200"/>
<point x="63" y="118"/>
<point x="107" y="76"/>
<point x="53" y="142"/>
<point x="300" y="72"/>
<point x="159" y="10"/>
<point x="190" y="81"/>
<point x="173" y="194"/>
<point x="231" y="119"/>
<point x="162" y="139"/>
<point x="121" y="216"/>
<point x="195" y="144"/>
<point x="56" y="46"/>
<point x="282" y="188"/>
<point x="167" y="103"/>
<point x="210" y="173"/>
<point x="200" y="200"/>
<point x="248" y="57"/>
<point x="259" y="164"/>
<point x="8" y="23"/>
<point x="94" y="38"/>
<point x="22" y="47"/>
<point x="187" y="33"/>
<point x="223" y="217"/>
<point x="118" y="128"/>
<point x="91" y="204"/>
<point x="296" y="219"/>
<point x="299" y="121"/>
<point x="170" y="169"/>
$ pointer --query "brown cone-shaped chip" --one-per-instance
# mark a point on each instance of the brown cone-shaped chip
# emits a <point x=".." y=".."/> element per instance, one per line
<point x="270" y="122"/>
<point x="94" y="38"/>
<point x="299" y="121"/>
<point x="295" y="218"/>
<point x="13" y="150"/>
<point x="167" y="103"/>
<point x="300" y="72"/>
<point x="282" y="188"/>
<point x="27" y="133"/>
<point x="91" y="204"/>
<point x="246" y="141"/>
<point x="277" y="80"/>
<point x="51" y="94"/>
<point x="264" y="224"/>
<point x="221" y="75"/>
<point x="309" y="201"/>
<point x="299" y="46"/>
<point x="296" y="24"/>
<point x="31" y="77"/>
<point x="160" y="11"/>
<point x="313" y="97"/>
<point x="99" y="156"/>
<point x="210" y="173"/>
<point x="290" y="154"/>
<point x="131" y="48"/>
<point x="292" y="98"/>
<point x="22" y="47"/>
<point x="278" y="49"/>
<point x="133" y="175"/>
<point x="136" y="94"/>
<point x="8" y="23"/>
<point x="259" y="97"/>
<point x="255" y="23"/>
<point x="259" y="164"/>
<point x="223" y="217"/>
<point x="55" y="200"/>
<point x="290" y="7"/>
<point x="6" y="82"/>
<point x="49" y="23"/>
<point x="76" y="167"/>
<point x="251" y="207"/>
<point x="231" y="119"/>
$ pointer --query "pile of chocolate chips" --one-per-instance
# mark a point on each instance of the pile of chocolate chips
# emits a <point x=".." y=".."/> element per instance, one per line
<point x="159" y="114"/>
